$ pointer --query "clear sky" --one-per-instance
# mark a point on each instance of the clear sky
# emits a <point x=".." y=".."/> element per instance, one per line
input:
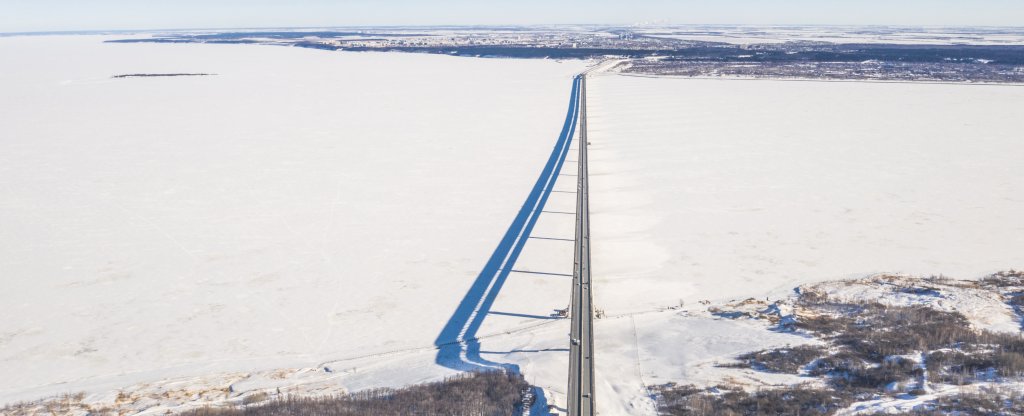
<point x="52" y="15"/>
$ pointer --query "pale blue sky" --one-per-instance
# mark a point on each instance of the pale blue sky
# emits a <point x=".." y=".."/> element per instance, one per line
<point x="49" y="15"/>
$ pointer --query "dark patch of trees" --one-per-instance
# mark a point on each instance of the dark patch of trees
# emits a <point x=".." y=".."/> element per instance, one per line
<point x="799" y="400"/>
<point x="473" y="394"/>
<point x="782" y="360"/>
<point x="806" y="400"/>
<point x="1004" y="279"/>
<point x="513" y="51"/>
<point x="867" y="346"/>
<point x="992" y="403"/>
<point x="870" y="337"/>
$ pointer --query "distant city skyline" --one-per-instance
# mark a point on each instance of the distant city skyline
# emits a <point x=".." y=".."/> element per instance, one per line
<point x="72" y="15"/>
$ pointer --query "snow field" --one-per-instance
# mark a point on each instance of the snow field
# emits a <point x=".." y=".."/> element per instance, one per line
<point x="724" y="190"/>
<point x="308" y="221"/>
<point x="297" y="208"/>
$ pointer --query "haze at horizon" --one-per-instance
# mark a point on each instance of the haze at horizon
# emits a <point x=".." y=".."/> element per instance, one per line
<point x="64" y="15"/>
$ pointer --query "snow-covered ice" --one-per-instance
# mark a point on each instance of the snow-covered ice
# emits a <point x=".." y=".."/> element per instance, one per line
<point x="297" y="208"/>
<point x="309" y="221"/>
<point x="717" y="189"/>
<point x="732" y="189"/>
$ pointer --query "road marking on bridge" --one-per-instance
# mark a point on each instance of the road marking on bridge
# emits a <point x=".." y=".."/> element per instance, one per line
<point x="581" y="336"/>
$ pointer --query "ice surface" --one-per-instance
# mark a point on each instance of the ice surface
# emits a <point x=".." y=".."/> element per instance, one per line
<point x="309" y="221"/>
<point x="729" y="189"/>
<point x="722" y="189"/>
<point x="298" y="207"/>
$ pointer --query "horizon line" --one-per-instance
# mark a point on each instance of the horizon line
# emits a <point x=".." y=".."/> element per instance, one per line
<point x="495" y="26"/>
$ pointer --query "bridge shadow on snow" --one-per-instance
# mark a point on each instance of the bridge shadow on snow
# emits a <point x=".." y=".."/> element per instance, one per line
<point x="458" y="346"/>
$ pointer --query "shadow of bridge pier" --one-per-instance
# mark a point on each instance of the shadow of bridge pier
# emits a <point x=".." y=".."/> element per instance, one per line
<point x="457" y="344"/>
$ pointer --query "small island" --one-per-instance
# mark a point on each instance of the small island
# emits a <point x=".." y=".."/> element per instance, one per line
<point x="161" y="75"/>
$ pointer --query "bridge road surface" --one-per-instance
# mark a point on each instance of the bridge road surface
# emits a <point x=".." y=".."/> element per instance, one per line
<point x="581" y="349"/>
